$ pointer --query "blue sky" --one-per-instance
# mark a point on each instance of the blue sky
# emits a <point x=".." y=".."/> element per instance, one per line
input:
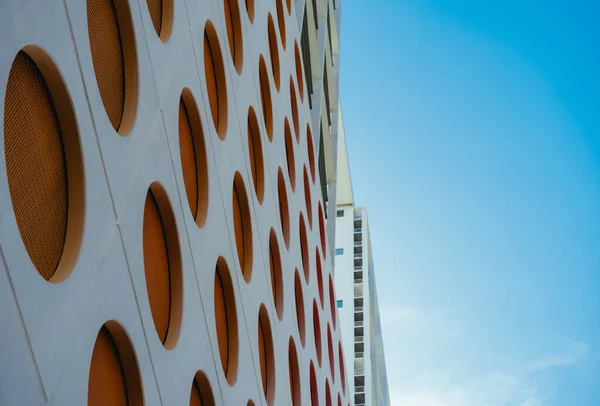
<point x="473" y="132"/>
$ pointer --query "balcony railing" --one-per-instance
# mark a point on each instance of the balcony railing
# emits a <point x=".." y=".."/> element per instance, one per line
<point x="359" y="323"/>
<point x="358" y="309"/>
<point x="359" y="355"/>
<point x="359" y="371"/>
<point x="359" y="339"/>
<point x="359" y="389"/>
<point x="358" y="230"/>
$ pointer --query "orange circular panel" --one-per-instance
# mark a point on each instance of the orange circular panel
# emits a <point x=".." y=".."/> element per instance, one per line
<point x="299" y="302"/>
<point x="289" y="153"/>
<point x="289" y="6"/>
<point x="114" y="376"/>
<point x="327" y="394"/>
<point x="332" y="305"/>
<point x="273" y="51"/>
<point x="113" y="49"/>
<point x="311" y="152"/>
<point x="314" y="389"/>
<point x="317" y="331"/>
<point x="233" y="23"/>
<point x="330" y="353"/>
<point x="201" y="394"/>
<point x="304" y="247"/>
<point x="294" y="372"/>
<point x="250" y="10"/>
<point x="299" y="72"/>
<point x="43" y="164"/>
<point x="284" y="212"/>
<point x="216" y="84"/>
<point x="242" y="226"/>
<point x="319" y="268"/>
<point x="322" y="231"/>
<point x="276" y="273"/>
<point x="194" y="165"/>
<point x="162" y="265"/>
<point x="294" y="104"/>
<point x="161" y="13"/>
<point x="281" y="22"/>
<point x="342" y="366"/>
<point x="226" y="321"/>
<point x="307" y="197"/>
<point x="265" y="355"/>
<point x="255" y="154"/>
<point x="265" y="97"/>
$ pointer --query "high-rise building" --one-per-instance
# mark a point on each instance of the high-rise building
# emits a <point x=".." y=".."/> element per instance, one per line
<point x="356" y="293"/>
<point x="167" y="201"/>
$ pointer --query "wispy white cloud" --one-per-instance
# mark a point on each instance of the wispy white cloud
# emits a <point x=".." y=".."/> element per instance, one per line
<point x="576" y="352"/>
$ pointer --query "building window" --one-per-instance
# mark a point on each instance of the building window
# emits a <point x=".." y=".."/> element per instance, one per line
<point x="340" y="304"/>
<point x="340" y="213"/>
<point x="339" y="251"/>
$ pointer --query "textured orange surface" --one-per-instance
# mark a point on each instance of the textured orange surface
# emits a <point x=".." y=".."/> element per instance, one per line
<point x="35" y="165"/>
<point x="238" y="225"/>
<point x="188" y="158"/>
<point x="211" y="81"/>
<point x="262" y="356"/>
<point x="107" y="385"/>
<point x="221" y="321"/>
<point x="155" y="7"/>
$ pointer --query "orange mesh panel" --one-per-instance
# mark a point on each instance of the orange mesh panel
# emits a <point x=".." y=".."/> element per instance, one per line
<point x="252" y="152"/>
<point x="230" y="28"/>
<point x="272" y="268"/>
<point x="156" y="265"/>
<point x="107" y="56"/>
<point x="107" y="385"/>
<point x="155" y="7"/>
<point x="188" y="158"/>
<point x="262" y="355"/>
<point x="196" y="396"/>
<point x="221" y="320"/>
<point x="35" y="165"/>
<point x="238" y="225"/>
<point x="211" y="81"/>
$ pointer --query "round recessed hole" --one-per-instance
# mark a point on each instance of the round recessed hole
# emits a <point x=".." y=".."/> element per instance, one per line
<point x="273" y="51"/>
<point x="317" y="331"/>
<point x="299" y="72"/>
<point x="265" y="97"/>
<point x="342" y="366"/>
<point x="299" y="302"/>
<point x="332" y="305"/>
<point x="255" y="153"/>
<point x="311" y="152"/>
<point x="162" y="265"/>
<point x="161" y="14"/>
<point x="327" y="394"/>
<point x="314" y="389"/>
<point x="319" y="268"/>
<point x="226" y="321"/>
<point x="233" y="24"/>
<point x="294" y="104"/>
<point x="216" y="84"/>
<point x="44" y="165"/>
<point x="330" y="353"/>
<point x="265" y="355"/>
<point x="322" y="231"/>
<point x="114" y="374"/>
<point x="242" y="226"/>
<point x="281" y="22"/>
<point x="294" y="374"/>
<point x="192" y="149"/>
<point x="339" y="400"/>
<point x="113" y="49"/>
<point x="201" y="393"/>
<point x="289" y="153"/>
<point x="250" y="10"/>
<point x="284" y="213"/>
<point x="289" y="6"/>
<point x="304" y="247"/>
<point x="307" y="197"/>
<point x="276" y="273"/>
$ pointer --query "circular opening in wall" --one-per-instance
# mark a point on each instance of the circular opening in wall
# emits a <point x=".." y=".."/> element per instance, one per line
<point x="327" y="394"/>
<point x="299" y="302"/>
<point x="289" y="153"/>
<point x="256" y="155"/>
<point x="332" y="306"/>
<point x="342" y="367"/>
<point x="192" y="149"/>
<point x="311" y="152"/>
<point x="265" y="97"/>
<point x="265" y="354"/>
<point x="162" y="265"/>
<point x="114" y="374"/>
<point x="307" y="197"/>
<point x="113" y="49"/>
<point x="314" y="389"/>
<point x="304" y="247"/>
<point x="233" y="23"/>
<point x="281" y="22"/>
<point x="299" y="72"/>
<point x="294" y="104"/>
<point x="161" y="13"/>
<point x="339" y="400"/>
<point x="284" y="213"/>
<point x="44" y="165"/>
<point x="216" y="84"/>
<point x="294" y="372"/>
<point x="250" y="10"/>
<point x="226" y="321"/>
<point x="322" y="230"/>
<point x="330" y="353"/>
<point x="201" y="394"/>
<point x="273" y="51"/>
<point x="317" y="331"/>
<point x="242" y="226"/>
<point x="319" y="268"/>
<point x="276" y="273"/>
<point x="289" y="6"/>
